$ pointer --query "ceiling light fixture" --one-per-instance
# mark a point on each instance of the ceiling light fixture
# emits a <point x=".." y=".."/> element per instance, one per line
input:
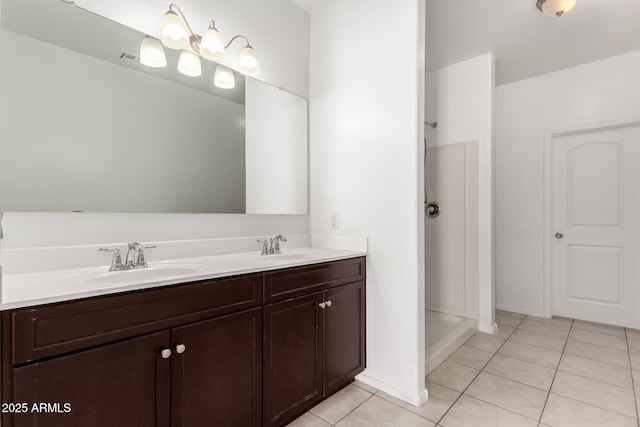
<point x="176" y="33"/>
<point x="555" y="7"/>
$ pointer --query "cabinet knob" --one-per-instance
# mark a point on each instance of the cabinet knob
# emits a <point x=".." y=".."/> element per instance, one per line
<point x="322" y="305"/>
<point x="180" y="348"/>
<point x="165" y="353"/>
<point x="328" y="303"/>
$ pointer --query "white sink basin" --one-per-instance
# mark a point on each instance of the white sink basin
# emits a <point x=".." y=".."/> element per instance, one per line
<point x="153" y="272"/>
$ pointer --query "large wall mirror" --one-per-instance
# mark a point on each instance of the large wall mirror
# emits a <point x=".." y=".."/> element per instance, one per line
<point x="85" y="127"/>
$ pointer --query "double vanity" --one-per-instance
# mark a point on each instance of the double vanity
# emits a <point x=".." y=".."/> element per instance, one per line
<point x="228" y="340"/>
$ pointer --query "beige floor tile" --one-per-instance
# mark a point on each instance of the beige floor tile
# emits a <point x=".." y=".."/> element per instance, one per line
<point x="453" y="375"/>
<point x="470" y="412"/>
<point x="633" y="334"/>
<point x="341" y="403"/>
<point x="596" y="393"/>
<point x="507" y="320"/>
<point x="378" y="412"/>
<point x="516" y="397"/>
<point x="546" y="328"/>
<point x="511" y="313"/>
<point x="528" y="353"/>
<point x="486" y="342"/>
<point x="538" y="340"/>
<point x="563" y="412"/>
<point x="471" y="357"/>
<point x="600" y="328"/>
<point x="522" y="372"/>
<point x="440" y="400"/>
<point x="597" y="352"/>
<point x="553" y="321"/>
<point x="599" y="371"/>
<point x="309" y="420"/>
<point x="635" y="360"/>
<point x="503" y="332"/>
<point x="598" y="339"/>
<point x="366" y="387"/>
<point x="634" y="346"/>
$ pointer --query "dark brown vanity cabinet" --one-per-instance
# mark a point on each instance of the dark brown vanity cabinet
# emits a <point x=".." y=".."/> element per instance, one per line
<point x="314" y="344"/>
<point x="206" y="353"/>
<point x="200" y="372"/>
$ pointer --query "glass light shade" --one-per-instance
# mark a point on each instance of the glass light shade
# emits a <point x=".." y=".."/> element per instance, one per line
<point x="212" y="45"/>
<point x="174" y="32"/>
<point x="223" y="78"/>
<point x="248" y="62"/>
<point x="189" y="64"/>
<point x="152" y="53"/>
<point x="556" y="7"/>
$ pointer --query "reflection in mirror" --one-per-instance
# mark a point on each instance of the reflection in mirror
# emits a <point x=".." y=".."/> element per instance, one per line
<point x="84" y="126"/>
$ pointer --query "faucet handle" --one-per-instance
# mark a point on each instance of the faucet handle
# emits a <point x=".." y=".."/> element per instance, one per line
<point x="150" y="247"/>
<point x="265" y="247"/>
<point x="116" y="261"/>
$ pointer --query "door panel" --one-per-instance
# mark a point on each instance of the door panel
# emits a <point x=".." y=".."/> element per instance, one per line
<point x="124" y="384"/>
<point x="595" y="211"/>
<point x="217" y="380"/>
<point x="292" y="357"/>
<point x="344" y="335"/>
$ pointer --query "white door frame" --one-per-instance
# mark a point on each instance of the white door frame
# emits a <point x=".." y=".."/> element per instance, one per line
<point x="549" y="136"/>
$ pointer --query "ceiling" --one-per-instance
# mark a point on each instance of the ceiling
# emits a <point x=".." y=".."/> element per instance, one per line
<point x="525" y="42"/>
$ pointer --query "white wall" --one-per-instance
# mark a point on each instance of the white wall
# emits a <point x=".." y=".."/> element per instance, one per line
<point x="602" y="92"/>
<point x="283" y="63"/>
<point x="460" y="99"/>
<point x="366" y="109"/>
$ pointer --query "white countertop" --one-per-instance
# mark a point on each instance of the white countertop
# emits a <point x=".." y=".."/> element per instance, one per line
<point x="30" y="289"/>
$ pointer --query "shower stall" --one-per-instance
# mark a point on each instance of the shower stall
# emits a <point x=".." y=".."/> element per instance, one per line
<point x="451" y="247"/>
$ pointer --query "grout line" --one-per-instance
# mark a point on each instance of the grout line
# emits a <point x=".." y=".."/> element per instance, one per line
<point x="479" y="372"/>
<point x="554" y="375"/>
<point x="633" y="385"/>
<point x="347" y="414"/>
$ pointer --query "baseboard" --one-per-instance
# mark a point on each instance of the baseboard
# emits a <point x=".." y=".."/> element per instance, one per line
<point x="521" y="311"/>
<point x="448" y="345"/>
<point x="415" y="400"/>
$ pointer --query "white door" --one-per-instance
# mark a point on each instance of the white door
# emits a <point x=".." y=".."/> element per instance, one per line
<point x="595" y="217"/>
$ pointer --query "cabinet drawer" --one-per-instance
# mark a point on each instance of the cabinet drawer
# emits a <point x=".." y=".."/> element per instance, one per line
<point x="291" y="282"/>
<point x="51" y="330"/>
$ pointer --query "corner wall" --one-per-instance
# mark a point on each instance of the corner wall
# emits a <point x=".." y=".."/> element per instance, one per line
<point x="460" y="99"/>
<point x="599" y="93"/>
<point x="366" y="152"/>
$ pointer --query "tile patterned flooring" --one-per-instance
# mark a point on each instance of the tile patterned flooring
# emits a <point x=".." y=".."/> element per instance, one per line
<point x="534" y="372"/>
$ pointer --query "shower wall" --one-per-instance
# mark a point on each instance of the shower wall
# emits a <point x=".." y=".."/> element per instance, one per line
<point x="451" y="249"/>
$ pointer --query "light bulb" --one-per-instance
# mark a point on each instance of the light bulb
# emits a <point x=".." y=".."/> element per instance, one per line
<point x="152" y="53"/>
<point x="248" y="62"/>
<point x="189" y="64"/>
<point x="174" y="32"/>
<point x="212" y="45"/>
<point x="223" y="78"/>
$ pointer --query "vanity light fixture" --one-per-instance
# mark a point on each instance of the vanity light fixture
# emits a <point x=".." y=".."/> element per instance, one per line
<point x="176" y="33"/>
<point x="223" y="78"/>
<point x="151" y="53"/>
<point x="555" y="7"/>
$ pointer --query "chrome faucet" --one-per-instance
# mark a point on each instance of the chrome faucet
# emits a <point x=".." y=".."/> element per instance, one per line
<point x="135" y="257"/>
<point x="274" y="246"/>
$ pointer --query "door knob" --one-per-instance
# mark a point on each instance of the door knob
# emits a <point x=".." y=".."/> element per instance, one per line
<point x="181" y="348"/>
<point x="165" y="353"/>
<point x="559" y="235"/>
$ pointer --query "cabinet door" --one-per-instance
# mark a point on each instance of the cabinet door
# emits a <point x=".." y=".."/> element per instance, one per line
<point x="217" y="379"/>
<point x="292" y="358"/>
<point x="343" y="335"/>
<point x="124" y="384"/>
